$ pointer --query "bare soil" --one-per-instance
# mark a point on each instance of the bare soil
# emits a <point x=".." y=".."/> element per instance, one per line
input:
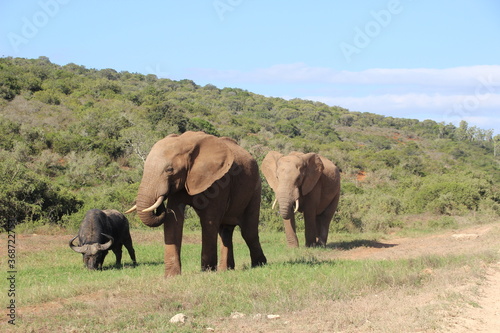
<point x="484" y="315"/>
<point x="442" y="306"/>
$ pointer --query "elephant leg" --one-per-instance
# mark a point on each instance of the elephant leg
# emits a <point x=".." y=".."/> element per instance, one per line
<point x="311" y="231"/>
<point x="209" y="235"/>
<point x="173" y="238"/>
<point x="227" y="255"/>
<point x="290" y="232"/>
<point x="324" y="219"/>
<point x="250" y="232"/>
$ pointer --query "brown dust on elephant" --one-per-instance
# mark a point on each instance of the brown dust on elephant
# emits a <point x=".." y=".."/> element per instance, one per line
<point x="308" y="183"/>
<point x="215" y="176"/>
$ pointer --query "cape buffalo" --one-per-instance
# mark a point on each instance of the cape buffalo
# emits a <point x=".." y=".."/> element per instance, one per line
<point x="100" y="231"/>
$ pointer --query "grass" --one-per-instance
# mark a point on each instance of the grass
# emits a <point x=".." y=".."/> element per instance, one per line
<point x="55" y="292"/>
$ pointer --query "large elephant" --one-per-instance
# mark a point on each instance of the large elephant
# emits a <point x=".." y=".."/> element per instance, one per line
<point x="215" y="176"/>
<point x="309" y="182"/>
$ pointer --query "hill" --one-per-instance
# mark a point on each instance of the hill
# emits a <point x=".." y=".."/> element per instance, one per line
<point x="75" y="138"/>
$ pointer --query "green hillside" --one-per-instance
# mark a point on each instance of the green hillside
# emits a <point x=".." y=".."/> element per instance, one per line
<point x="75" y="138"/>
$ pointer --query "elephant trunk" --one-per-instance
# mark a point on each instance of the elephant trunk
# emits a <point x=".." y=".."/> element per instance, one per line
<point x="144" y="202"/>
<point x="288" y="201"/>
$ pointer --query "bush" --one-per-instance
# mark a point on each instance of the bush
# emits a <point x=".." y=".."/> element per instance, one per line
<point x="119" y="197"/>
<point x="84" y="169"/>
<point x="27" y="196"/>
<point x="47" y="97"/>
<point x="447" y="198"/>
<point x="270" y="220"/>
<point x="198" y="124"/>
<point x="443" y="223"/>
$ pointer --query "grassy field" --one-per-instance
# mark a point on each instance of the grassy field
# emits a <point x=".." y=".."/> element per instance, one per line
<point x="343" y="287"/>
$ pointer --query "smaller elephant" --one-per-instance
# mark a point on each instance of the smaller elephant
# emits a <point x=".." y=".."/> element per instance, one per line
<point x="100" y="231"/>
<point x="309" y="182"/>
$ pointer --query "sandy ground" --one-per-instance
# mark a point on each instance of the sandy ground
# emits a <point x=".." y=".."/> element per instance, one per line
<point x="477" y="310"/>
<point x="483" y="316"/>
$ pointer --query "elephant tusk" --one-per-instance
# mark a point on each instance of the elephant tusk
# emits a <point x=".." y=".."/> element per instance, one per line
<point x="274" y="203"/>
<point x="133" y="209"/>
<point x="296" y="206"/>
<point x="155" y="205"/>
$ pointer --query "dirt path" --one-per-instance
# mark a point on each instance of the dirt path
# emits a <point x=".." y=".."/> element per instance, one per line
<point x="484" y="314"/>
<point x="444" y="304"/>
<point x="450" y="242"/>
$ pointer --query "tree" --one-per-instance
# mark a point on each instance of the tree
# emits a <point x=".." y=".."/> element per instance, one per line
<point x="461" y="132"/>
<point x="346" y="120"/>
<point x="198" y="124"/>
<point x="26" y="196"/>
<point x="496" y="145"/>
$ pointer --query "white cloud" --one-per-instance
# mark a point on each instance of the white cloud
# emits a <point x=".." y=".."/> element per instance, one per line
<point x="452" y="94"/>
<point x="301" y="73"/>
<point x="376" y="103"/>
<point x="478" y="110"/>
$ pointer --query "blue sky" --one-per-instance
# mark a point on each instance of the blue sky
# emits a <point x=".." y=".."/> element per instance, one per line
<point x="417" y="59"/>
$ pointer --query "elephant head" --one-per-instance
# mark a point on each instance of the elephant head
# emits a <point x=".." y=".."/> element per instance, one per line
<point x="291" y="177"/>
<point x="93" y="253"/>
<point x="190" y="162"/>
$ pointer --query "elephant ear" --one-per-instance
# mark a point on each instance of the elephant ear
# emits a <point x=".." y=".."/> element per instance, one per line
<point x="269" y="165"/>
<point x="209" y="161"/>
<point x="314" y="169"/>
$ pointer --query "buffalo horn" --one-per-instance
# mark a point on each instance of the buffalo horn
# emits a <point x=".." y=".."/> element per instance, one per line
<point x="79" y="249"/>
<point x="106" y="245"/>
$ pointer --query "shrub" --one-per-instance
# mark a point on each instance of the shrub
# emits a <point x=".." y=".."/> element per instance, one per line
<point x="47" y="97"/>
<point x="447" y="197"/>
<point x="348" y="187"/>
<point x="27" y="196"/>
<point x="84" y="169"/>
<point x="119" y="196"/>
<point x="388" y="204"/>
<point x="198" y="124"/>
<point x="443" y="222"/>
<point x="270" y="220"/>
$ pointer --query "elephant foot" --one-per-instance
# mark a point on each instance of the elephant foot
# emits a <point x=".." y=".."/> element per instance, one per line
<point x="209" y="268"/>
<point x="171" y="272"/>
<point x="261" y="261"/>
<point x="172" y="260"/>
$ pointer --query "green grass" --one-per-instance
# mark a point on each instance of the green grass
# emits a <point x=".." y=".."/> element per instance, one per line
<point x="138" y="299"/>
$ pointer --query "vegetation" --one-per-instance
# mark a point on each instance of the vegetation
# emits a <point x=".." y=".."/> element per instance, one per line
<point x="75" y="138"/>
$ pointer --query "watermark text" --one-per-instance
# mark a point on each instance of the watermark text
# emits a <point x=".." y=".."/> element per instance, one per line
<point x="11" y="274"/>
<point x="372" y="29"/>
<point x="221" y="7"/>
<point x="31" y="26"/>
